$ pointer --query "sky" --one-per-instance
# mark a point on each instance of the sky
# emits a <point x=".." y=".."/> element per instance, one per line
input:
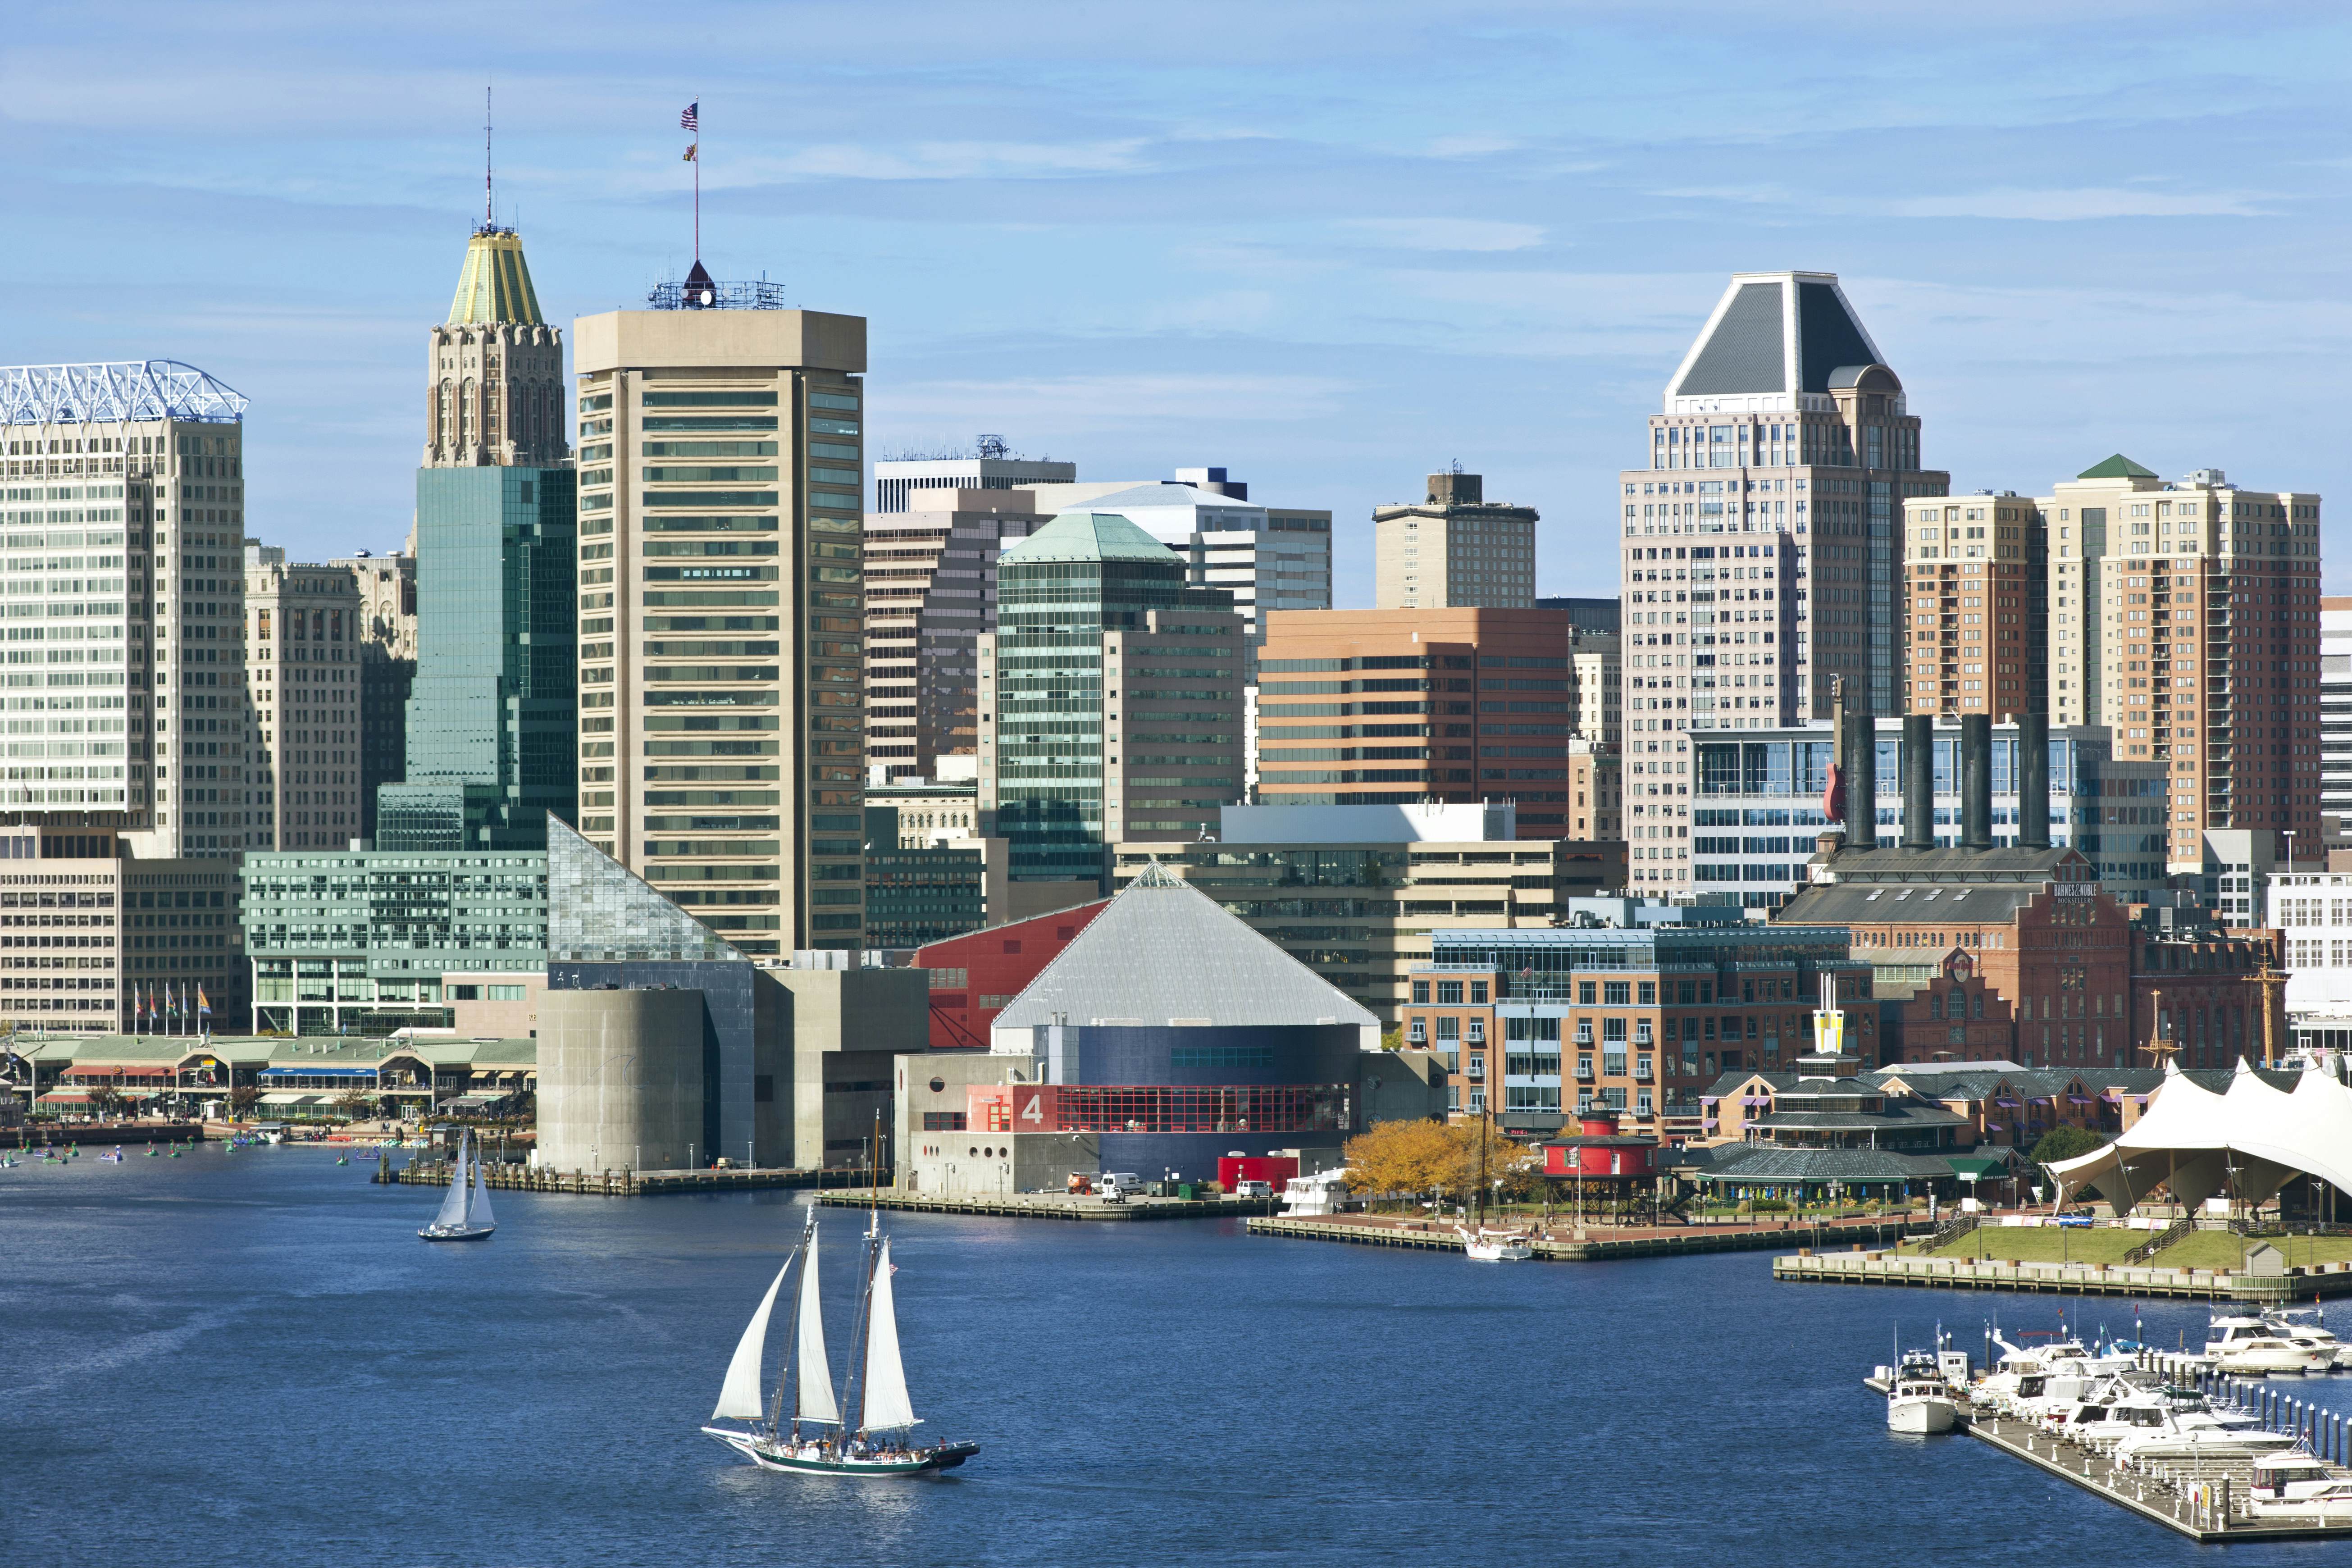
<point x="1329" y="247"/>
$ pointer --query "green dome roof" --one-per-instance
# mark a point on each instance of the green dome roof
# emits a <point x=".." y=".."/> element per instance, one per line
<point x="1088" y="536"/>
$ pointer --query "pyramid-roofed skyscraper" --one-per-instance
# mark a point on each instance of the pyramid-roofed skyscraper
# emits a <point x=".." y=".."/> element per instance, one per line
<point x="1761" y="545"/>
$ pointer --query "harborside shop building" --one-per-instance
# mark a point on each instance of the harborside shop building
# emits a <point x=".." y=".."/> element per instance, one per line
<point x="1167" y="1036"/>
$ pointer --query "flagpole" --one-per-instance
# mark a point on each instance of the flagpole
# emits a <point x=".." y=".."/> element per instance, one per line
<point x="697" y="180"/>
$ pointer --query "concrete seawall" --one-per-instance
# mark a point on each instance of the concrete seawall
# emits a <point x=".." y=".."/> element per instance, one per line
<point x="2063" y="1279"/>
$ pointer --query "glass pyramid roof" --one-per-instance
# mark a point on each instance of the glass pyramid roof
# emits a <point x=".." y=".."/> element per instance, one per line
<point x="601" y="912"/>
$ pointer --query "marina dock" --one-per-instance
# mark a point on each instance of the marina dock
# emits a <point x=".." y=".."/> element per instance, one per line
<point x="604" y="1183"/>
<point x="1045" y="1205"/>
<point x="2205" y="1499"/>
<point x="1592" y="1243"/>
<point x="1861" y="1267"/>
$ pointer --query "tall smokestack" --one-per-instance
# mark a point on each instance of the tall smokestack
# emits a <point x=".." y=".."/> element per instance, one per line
<point x="1861" y="781"/>
<point x="1918" y="781"/>
<point x="2033" y="781"/>
<point x="1976" y="781"/>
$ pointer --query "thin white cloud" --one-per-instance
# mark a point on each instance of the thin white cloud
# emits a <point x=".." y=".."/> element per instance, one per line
<point x="1447" y="234"/>
<point x="951" y="161"/>
<point x="2070" y="205"/>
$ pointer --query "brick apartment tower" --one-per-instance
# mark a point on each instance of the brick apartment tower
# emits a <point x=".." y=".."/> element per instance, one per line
<point x="1761" y="548"/>
<point x="2184" y="615"/>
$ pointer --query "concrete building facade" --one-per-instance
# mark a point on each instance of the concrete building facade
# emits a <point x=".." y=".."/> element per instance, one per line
<point x="899" y="483"/>
<point x="386" y="586"/>
<point x="302" y="649"/>
<point x="722" y="649"/>
<point x="1455" y="549"/>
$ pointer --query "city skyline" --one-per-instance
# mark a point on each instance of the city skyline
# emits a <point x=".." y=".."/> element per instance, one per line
<point x="1223" y="258"/>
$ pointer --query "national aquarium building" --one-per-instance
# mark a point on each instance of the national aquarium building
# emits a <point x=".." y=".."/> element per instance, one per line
<point x="1166" y="1035"/>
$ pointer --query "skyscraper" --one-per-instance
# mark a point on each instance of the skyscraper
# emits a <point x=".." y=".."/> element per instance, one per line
<point x="1110" y="698"/>
<point x="490" y="729"/>
<point x="125" y="518"/>
<point x="387" y="646"/>
<point x="1761" y="556"/>
<point x="899" y="483"/>
<point x="1974" y="605"/>
<point x="1455" y="549"/>
<point x="2185" y="615"/>
<point x="721" y="732"/>
<point x="930" y="592"/>
<point x="302" y="652"/>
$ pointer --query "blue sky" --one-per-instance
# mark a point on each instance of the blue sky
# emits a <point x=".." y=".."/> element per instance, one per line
<point x="1329" y="247"/>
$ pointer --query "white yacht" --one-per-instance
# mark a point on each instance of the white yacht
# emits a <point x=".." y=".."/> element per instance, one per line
<point x="2190" y="1437"/>
<point x="2308" y="1326"/>
<point x="1493" y="1246"/>
<point x="2285" y="1477"/>
<point x="2328" y="1504"/>
<point x="2266" y="1354"/>
<point x="1918" y="1399"/>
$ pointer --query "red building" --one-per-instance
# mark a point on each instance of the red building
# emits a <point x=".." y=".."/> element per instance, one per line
<point x="1600" y="1152"/>
<point x="974" y="975"/>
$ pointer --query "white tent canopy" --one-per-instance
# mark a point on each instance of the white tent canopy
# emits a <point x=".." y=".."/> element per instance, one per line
<point x="2245" y="1144"/>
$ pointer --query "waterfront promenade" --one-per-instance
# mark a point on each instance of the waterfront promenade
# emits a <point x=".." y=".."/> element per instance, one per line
<point x="1590" y="1243"/>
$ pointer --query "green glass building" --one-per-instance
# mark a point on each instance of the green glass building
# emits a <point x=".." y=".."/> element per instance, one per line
<point x="1088" y="608"/>
<point x="363" y="943"/>
<point x="492" y="720"/>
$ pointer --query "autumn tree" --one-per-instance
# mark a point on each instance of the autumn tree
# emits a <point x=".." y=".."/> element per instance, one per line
<point x="1515" y="1165"/>
<point x="1401" y="1157"/>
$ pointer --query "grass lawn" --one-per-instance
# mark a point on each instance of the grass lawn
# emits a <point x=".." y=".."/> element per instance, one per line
<point x="2205" y="1250"/>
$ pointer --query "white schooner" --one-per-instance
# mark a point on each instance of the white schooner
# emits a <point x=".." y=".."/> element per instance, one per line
<point x="803" y="1427"/>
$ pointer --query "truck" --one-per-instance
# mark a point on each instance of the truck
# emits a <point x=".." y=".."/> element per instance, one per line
<point x="1117" y="1187"/>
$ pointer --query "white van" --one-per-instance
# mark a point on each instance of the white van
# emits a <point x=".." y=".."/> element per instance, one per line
<point x="1117" y="1187"/>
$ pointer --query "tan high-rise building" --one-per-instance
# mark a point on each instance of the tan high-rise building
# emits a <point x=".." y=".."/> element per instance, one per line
<point x="494" y="393"/>
<point x="1762" y="561"/>
<point x="302" y="647"/>
<point x="2184" y="616"/>
<point x="931" y="595"/>
<point x="387" y="590"/>
<point x="722" y="723"/>
<point x="1454" y="550"/>
<point x="1975" y="606"/>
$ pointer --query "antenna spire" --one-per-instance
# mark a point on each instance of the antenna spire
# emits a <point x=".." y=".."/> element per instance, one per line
<point x="489" y="191"/>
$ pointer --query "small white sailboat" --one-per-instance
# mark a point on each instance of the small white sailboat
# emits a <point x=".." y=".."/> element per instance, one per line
<point x="877" y="1436"/>
<point x="466" y="1213"/>
<point x="1493" y="1246"/>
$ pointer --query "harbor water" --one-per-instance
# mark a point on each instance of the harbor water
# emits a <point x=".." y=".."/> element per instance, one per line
<point x="253" y="1358"/>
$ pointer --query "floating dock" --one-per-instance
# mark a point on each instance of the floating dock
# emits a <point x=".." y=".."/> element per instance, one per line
<point x="1593" y="1245"/>
<point x="1863" y="1266"/>
<point x="1045" y="1205"/>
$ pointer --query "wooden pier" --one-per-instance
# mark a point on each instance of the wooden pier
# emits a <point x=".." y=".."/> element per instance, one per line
<point x="2138" y="1281"/>
<point x="2206" y="1503"/>
<point x="1594" y="1244"/>
<point x="604" y="1183"/>
<point x="1045" y="1205"/>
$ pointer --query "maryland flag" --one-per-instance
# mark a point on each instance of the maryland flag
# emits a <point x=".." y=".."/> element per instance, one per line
<point x="689" y="154"/>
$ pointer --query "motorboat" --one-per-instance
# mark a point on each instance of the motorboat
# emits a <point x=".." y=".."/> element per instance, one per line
<point x="2328" y="1504"/>
<point x="2308" y="1325"/>
<point x="1919" y="1398"/>
<point x="466" y="1213"/>
<point x="1493" y="1246"/>
<point x="2266" y="1354"/>
<point x="2283" y="1478"/>
<point x="2187" y="1438"/>
<point x="876" y="1437"/>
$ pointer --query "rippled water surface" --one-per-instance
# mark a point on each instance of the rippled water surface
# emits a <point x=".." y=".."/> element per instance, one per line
<point x="252" y="1358"/>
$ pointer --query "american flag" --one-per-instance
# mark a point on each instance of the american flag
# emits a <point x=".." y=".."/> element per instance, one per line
<point x="692" y="118"/>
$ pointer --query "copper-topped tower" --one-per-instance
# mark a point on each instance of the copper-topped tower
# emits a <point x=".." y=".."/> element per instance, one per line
<point x="494" y="393"/>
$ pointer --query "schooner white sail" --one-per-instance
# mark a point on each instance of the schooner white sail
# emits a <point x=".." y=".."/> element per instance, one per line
<point x="814" y="1440"/>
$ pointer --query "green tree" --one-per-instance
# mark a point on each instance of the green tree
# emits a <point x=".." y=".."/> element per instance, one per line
<point x="103" y="1098"/>
<point x="2058" y="1145"/>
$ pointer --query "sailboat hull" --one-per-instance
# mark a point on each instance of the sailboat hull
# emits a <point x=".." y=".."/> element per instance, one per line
<point x="810" y="1459"/>
<point x="456" y="1232"/>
